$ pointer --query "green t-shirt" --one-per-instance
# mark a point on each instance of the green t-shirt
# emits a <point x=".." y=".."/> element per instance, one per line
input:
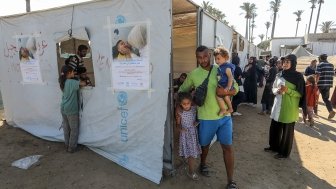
<point x="69" y="104"/>
<point x="210" y="109"/>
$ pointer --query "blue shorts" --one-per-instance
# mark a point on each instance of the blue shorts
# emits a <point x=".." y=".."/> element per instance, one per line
<point x="221" y="127"/>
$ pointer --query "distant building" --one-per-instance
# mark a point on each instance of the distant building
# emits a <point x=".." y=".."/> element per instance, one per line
<point x="316" y="44"/>
<point x="281" y="46"/>
<point x="320" y="43"/>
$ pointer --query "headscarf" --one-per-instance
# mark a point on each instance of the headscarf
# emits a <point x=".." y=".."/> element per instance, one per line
<point x="296" y="78"/>
<point x="272" y="62"/>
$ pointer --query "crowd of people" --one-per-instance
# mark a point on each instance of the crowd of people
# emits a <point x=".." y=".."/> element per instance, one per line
<point x="286" y="92"/>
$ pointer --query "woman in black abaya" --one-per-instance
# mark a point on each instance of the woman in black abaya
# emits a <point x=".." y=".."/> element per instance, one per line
<point x="250" y="82"/>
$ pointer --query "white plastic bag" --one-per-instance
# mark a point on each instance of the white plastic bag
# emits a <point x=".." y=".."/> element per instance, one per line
<point x="26" y="162"/>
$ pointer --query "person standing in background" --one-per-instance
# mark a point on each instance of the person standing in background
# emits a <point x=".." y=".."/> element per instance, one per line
<point x="325" y="75"/>
<point x="250" y="82"/>
<point x="289" y="88"/>
<point x="240" y="96"/>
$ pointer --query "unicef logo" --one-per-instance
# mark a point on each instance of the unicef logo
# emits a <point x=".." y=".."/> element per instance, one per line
<point x="122" y="98"/>
<point x="120" y="19"/>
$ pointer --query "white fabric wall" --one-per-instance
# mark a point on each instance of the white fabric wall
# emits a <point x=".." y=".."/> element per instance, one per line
<point x="319" y="48"/>
<point x="224" y="35"/>
<point x="208" y="31"/>
<point x="243" y="54"/>
<point x="35" y="108"/>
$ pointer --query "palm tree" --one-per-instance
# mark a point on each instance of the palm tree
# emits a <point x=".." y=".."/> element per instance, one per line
<point x="27" y="5"/>
<point x="253" y="25"/>
<point x="206" y="5"/>
<point x="325" y="26"/>
<point x="268" y="25"/>
<point x="313" y="2"/>
<point x="261" y="36"/>
<point x="219" y="14"/>
<point x="318" y="13"/>
<point x="275" y="5"/>
<point x="249" y="10"/>
<point x="298" y="19"/>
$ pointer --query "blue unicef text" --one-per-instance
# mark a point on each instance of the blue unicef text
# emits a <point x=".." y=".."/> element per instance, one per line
<point x="122" y="101"/>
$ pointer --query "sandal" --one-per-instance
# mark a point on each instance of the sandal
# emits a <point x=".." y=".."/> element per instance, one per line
<point x="262" y="113"/>
<point x="204" y="170"/>
<point x="193" y="176"/>
<point x="232" y="185"/>
<point x="269" y="149"/>
<point x="279" y="156"/>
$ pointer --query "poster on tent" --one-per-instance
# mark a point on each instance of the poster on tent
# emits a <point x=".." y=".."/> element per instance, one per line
<point x="130" y="68"/>
<point x="29" y="64"/>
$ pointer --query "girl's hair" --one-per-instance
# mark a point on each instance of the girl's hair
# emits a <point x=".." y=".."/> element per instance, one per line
<point x="221" y="51"/>
<point x="311" y="79"/>
<point x="65" y="70"/>
<point x="115" y="51"/>
<point x="182" y="96"/>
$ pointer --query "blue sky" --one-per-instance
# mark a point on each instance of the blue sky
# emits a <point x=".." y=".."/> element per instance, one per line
<point x="285" y="26"/>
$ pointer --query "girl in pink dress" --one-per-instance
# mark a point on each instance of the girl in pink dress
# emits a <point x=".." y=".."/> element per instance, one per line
<point x="189" y="147"/>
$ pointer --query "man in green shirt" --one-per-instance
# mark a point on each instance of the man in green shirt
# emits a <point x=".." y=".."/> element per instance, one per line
<point x="210" y="123"/>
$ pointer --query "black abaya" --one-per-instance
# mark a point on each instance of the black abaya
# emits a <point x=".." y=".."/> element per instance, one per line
<point x="250" y="84"/>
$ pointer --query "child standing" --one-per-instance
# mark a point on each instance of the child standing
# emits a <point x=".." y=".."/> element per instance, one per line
<point x="312" y="94"/>
<point x="225" y="79"/>
<point x="189" y="147"/>
<point x="69" y="107"/>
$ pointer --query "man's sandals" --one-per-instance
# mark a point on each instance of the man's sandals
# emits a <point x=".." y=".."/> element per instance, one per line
<point x="232" y="185"/>
<point x="204" y="170"/>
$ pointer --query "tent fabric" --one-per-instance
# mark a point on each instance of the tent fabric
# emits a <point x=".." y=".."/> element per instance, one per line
<point x="77" y="33"/>
<point x="300" y="51"/>
<point x="208" y="30"/>
<point x="126" y="126"/>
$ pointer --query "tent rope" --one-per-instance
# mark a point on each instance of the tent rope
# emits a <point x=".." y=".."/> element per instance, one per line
<point x="70" y="30"/>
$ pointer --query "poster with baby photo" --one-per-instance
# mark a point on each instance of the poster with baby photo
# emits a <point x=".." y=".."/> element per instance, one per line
<point x="29" y="64"/>
<point x="130" y="56"/>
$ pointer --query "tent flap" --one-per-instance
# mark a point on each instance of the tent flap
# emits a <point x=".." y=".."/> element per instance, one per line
<point x="77" y="33"/>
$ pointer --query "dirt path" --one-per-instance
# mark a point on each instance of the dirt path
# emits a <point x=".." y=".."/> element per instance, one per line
<point x="312" y="163"/>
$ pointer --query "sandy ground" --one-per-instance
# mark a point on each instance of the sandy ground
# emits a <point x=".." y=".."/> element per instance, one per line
<point x="312" y="163"/>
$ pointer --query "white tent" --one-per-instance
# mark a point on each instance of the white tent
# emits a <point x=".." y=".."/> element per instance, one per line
<point x="301" y="51"/>
<point x="128" y="122"/>
<point x="125" y="126"/>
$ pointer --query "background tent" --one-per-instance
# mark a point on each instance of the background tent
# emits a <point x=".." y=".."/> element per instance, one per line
<point x="301" y="51"/>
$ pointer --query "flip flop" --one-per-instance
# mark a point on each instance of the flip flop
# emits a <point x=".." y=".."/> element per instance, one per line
<point x="232" y="185"/>
<point x="204" y="170"/>
<point x="193" y="176"/>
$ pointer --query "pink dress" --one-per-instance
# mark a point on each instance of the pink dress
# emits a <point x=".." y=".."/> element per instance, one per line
<point x="189" y="145"/>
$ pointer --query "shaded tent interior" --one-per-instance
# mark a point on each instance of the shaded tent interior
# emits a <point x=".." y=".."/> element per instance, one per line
<point x="185" y="35"/>
<point x="193" y="27"/>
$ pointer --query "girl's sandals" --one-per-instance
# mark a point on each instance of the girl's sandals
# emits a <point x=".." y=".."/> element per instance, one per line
<point x="193" y="176"/>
